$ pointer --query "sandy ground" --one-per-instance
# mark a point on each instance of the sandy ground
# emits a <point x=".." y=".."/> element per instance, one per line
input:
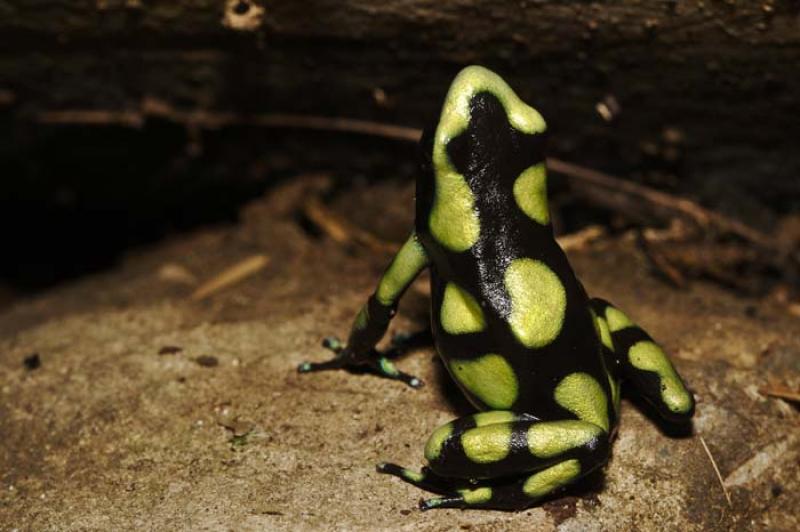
<point x="153" y="411"/>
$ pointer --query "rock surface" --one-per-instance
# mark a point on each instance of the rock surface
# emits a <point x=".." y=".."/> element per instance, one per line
<point x="153" y="411"/>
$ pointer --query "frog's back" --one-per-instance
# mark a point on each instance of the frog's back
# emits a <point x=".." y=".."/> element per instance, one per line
<point x="509" y="317"/>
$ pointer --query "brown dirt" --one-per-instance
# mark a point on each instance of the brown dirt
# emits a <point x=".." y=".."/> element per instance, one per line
<point x="151" y="411"/>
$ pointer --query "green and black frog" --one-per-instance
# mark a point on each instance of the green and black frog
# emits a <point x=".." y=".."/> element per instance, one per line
<point x="539" y="359"/>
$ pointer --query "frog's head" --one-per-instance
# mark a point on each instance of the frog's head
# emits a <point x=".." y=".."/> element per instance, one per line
<point x="486" y="144"/>
<point x="485" y="131"/>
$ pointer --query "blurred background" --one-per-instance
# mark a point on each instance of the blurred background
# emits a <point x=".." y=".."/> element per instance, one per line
<point x="127" y="120"/>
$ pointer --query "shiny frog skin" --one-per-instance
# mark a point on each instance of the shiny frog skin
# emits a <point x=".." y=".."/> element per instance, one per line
<point x="539" y="359"/>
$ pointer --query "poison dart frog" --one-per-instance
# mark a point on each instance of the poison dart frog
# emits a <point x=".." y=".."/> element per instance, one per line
<point x="540" y="360"/>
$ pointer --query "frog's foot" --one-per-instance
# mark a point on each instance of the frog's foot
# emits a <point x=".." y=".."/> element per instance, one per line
<point x="454" y="494"/>
<point x="424" y="479"/>
<point x="377" y="363"/>
<point x="457" y="501"/>
<point x="339" y="361"/>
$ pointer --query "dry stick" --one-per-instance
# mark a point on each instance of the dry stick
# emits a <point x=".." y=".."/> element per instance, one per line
<point x="231" y="275"/>
<point x="781" y="393"/>
<point x="688" y="208"/>
<point x="214" y="120"/>
<point x="657" y="258"/>
<point x="211" y="120"/>
<point x="341" y="230"/>
<point x="716" y="470"/>
<point x="580" y="239"/>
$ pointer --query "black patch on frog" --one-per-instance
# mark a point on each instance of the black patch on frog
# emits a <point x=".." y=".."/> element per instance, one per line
<point x="491" y="154"/>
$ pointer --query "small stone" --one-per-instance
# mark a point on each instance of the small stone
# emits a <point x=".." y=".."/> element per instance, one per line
<point x="207" y="361"/>
<point x="32" y="362"/>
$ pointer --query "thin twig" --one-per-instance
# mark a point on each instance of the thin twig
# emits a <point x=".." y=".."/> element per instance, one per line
<point x="660" y="262"/>
<point x="153" y="108"/>
<point x="781" y="393"/>
<point x="239" y="271"/>
<point x="716" y="470"/>
<point x="341" y="230"/>
<point x="580" y="239"/>
<point x="675" y="205"/>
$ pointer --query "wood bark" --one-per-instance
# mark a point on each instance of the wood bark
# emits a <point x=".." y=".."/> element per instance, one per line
<point x="704" y="90"/>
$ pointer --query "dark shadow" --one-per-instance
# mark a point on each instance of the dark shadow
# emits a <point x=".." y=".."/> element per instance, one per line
<point x="562" y="504"/>
<point x="404" y="343"/>
<point x="668" y="428"/>
<point x="455" y="398"/>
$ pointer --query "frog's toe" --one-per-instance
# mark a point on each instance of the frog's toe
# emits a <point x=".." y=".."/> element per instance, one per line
<point x="441" y="502"/>
<point x="401" y="338"/>
<point x="386" y="368"/>
<point x="334" y="363"/>
<point x="337" y="362"/>
<point x="423" y="479"/>
<point x="333" y="343"/>
<point x="409" y="475"/>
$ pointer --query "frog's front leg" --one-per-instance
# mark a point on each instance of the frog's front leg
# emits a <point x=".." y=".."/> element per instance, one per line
<point x="373" y="319"/>
<point x="503" y="460"/>
<point x="638" y="359"/>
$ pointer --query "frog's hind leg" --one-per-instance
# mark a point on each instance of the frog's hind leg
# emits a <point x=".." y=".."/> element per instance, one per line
<point x="424" y="479"/>
<point x="634" y="356"/>
<point x="517" y="494"/>
<point x="503" y="460"/>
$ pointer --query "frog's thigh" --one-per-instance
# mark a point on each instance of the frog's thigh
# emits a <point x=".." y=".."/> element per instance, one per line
<point x="644" y="363"/>
<point x="502" y="444"/>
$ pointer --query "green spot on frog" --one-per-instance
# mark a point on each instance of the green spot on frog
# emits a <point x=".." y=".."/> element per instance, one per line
<point x="413" y="476"/>
<point x="546" y="440"/>
<point x="490" y="378"/>
<point x="649" y="357"/>
<point x="546" y="481"/>
<point x="538" y="302"/>
<point x="488" y="443"/>
<point x="434" y="446"/>
<point x="617" y="320"/>
<point x="581" y="394"/>
<point x="604" y="331"/>
<point x="530" y="192"/>
<point x="476" y="496"/>
<point x="409" y="261"/>
<point x="493" y="416"/>
<point x="362" y="318"/>
<point x="460" y="312"/>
